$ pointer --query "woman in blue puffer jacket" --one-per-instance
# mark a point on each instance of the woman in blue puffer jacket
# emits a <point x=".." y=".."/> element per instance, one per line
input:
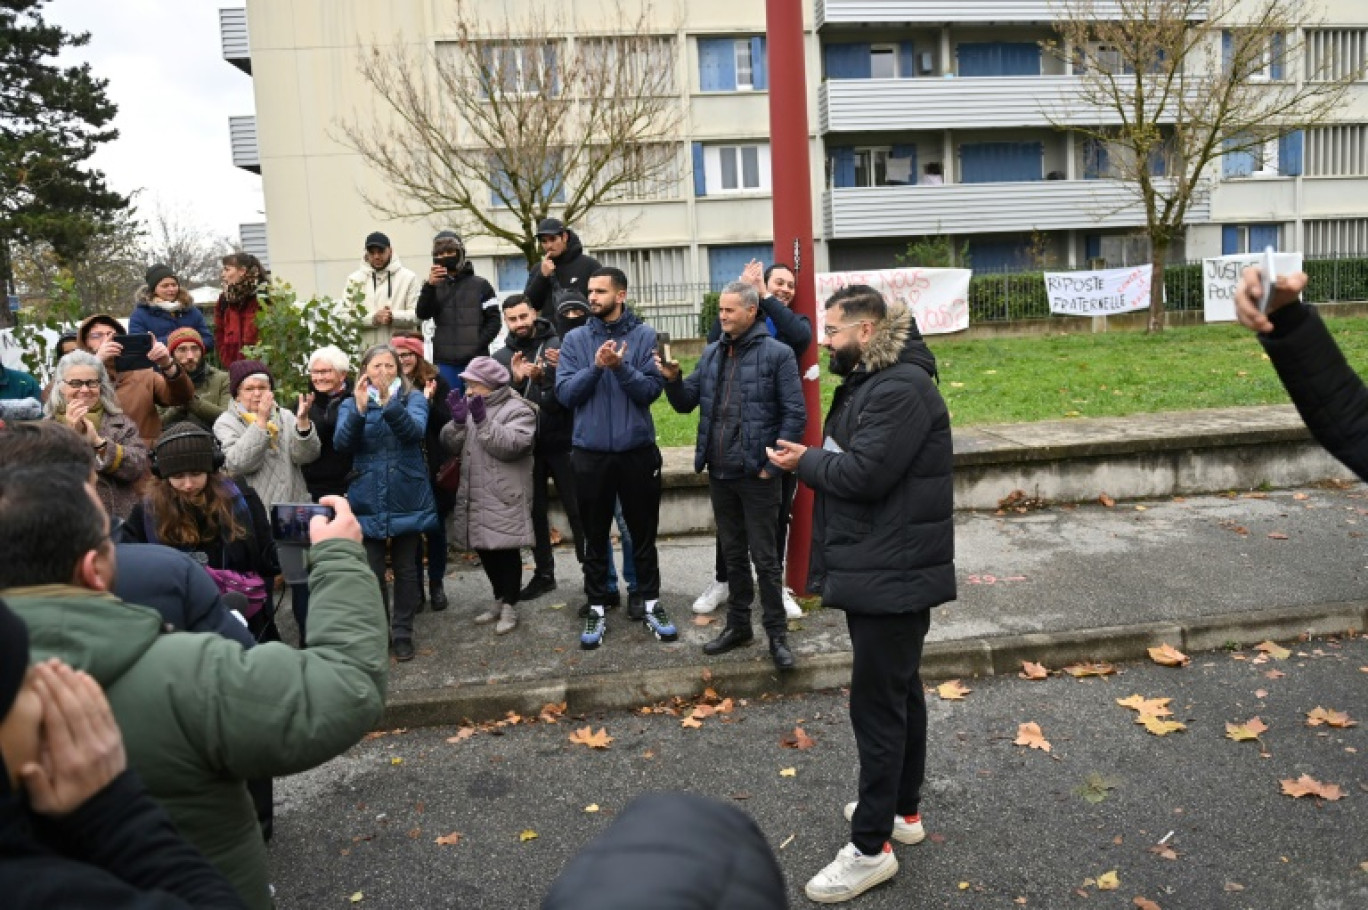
<point x="383" y="425"/>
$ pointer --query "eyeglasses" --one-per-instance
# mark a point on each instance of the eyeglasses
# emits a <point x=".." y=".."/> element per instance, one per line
<point x="83" y="383"/>
<point x="328" y="372"/>
<point x="833" y="330"/>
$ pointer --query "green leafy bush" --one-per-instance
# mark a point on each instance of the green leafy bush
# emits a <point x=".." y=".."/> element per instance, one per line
<point x="708" y="315"/>
<point x="290" y="330"/>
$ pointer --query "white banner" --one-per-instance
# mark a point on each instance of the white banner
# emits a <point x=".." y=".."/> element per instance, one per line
<point x="938" y="298"/>
<point x="1222" y="274"/>
<point x="1100" y="293"/>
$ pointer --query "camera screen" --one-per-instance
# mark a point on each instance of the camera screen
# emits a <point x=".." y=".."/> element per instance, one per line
<point x="290" y="520"/>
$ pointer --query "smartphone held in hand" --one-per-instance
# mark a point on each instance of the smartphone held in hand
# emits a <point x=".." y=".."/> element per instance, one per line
<point x="290" y="520"/>
<point x="1268" y="276"/>
<point x="663" y="347"/>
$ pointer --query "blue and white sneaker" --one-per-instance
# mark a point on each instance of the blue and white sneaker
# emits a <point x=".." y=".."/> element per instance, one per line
<point x="594" y="627"/>
<point x="659" y="623"/>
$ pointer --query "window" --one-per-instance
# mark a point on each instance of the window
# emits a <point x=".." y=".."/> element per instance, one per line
<point x="504" y="192"/>
<point x="883" y="61"/>
<point x="872" y="61"/>
<point x="1343" y="237"/>
<point x="1115" y="251"/>
<point x="511" y="273"/>
<point x="650" y="268"/>
<point x="876" y="166"/>
<point x="520" y="68"/>
<point x="731" y="64"/>
<point x="1249" y="238"/>
<point x="871" y="167"/>
<point x="999" y="59"/>
<point x="734" y="169"/>
<point x="997" y="162"/>
<point x="645" y="63"/>
<point x="1259" y="57"/>
<point x="725" y="263"/>
<point x="1337" y="54"/>
<point x="1337" y="151"/>
<point x="653" y="172"/>
<point x="1280" y="157"/>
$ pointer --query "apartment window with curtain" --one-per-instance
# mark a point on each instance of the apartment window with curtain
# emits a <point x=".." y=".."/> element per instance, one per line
<point x="998" y="59"/>
<point x="872" y="166"/>
<point x="1249" y="238"/>
<point x="732" y="64"/>
<point x="1281" y="157"/>
<point x="860" y="60"/>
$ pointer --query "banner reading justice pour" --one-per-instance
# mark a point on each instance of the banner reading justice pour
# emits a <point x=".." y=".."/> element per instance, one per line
<point x="939" y="298"/>
<point x="1101" y="293"/>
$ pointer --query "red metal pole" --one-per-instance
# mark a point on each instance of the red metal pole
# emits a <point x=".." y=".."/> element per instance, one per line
<point x="791" y="172"/>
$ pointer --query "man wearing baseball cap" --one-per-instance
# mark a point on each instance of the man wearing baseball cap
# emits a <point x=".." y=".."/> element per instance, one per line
<point x="211" y="386"/>
<point x="390" y="291"/>
<point x="564" y="267"/>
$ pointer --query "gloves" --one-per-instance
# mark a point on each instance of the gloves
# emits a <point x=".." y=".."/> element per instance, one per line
<point x="456" y="401"/>
<point x="477" y="408"/>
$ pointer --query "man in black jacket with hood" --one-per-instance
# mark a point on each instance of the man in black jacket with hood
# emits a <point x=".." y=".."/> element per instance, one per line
<point x="565" y="267"/>
<point x="462" y="304"/>
<point x="531" y="352"/>
<point x="883" y="550"/>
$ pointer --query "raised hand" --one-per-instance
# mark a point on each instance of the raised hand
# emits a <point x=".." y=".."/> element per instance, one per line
<point x="430" y="389"/>
<point x="362" y="394"/>
<point x="478" y="411"/>
<point x="302" y="411"/>
<point x="459" y="409"/>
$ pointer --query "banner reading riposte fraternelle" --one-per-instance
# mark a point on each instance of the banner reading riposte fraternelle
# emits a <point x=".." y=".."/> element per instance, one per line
<point x="1099" y="293"/>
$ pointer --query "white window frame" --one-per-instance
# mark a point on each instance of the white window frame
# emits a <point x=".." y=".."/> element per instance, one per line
<point x="872" y="154"/>
<point x="891" y="49"/>
<point x="1266" y="160"/>
<point x="741" y="49"/>
<point x="712" y="168"/>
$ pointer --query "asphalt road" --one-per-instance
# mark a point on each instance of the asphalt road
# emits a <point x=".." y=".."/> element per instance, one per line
<point x="1009" y="826"/>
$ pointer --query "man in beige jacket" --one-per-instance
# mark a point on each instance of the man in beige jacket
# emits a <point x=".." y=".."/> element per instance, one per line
<point x="391" y="292"/>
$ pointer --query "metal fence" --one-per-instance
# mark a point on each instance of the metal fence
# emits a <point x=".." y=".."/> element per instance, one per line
<point x="673" y="308"/>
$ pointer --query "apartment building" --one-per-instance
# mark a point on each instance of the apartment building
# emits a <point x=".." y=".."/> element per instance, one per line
<point x="896" y="90"/>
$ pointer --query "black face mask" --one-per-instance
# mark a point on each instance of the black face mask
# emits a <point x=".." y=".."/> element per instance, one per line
<point x="844" y="360"/>
<point x="452" y="264"/>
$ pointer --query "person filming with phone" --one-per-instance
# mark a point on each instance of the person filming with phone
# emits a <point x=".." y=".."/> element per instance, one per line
<point x="140" y="387"/>
<point x="462" y="306"/>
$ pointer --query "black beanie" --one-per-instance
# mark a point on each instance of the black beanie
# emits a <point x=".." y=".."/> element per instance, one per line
<point x="185" y="449"/>
<point x="14" y="657"/>
<point x="157" y="274"/>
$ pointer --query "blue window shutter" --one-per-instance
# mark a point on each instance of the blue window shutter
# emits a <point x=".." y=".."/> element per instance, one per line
<point x="700" y="176"/>
<point x="1230" y="240"/>
<point x="1227" y="50"/>
<point x="904" y="151"/>
<point x="975" y="60"/>
<point x="1092" y="247"/>
<point x="907" y="59"/>
<point x="998" y="162"/>
<point x="1290" y="154"/>
<point x="512" y="272"/>
<point x="1277" y="50"/>
<point x="717" y="64"/>
<point x="759" y="67"/>
<point x="1021" y="59"/>
<point x="1264" y="235"/>
<point x="998" y="59"/>
<point x="848" y="61"/>
<point x="726" y="262"/>
<point x="1237" y="164"/>
<point x="843" y="174"/>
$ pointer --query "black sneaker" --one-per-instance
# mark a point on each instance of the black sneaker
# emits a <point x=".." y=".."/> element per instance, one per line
<point x="403" y="649"/>
<point x="539" y="585"/>
<point x="636" y="607"/>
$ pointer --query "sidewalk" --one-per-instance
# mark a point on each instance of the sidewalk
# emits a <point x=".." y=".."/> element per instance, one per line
<point x="1055" y="586"/>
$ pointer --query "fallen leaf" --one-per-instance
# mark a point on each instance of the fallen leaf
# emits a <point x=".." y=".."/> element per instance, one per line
<point x="461" y="735"/>
<point x="704" y="619"/>
<point x="1164" y="851"/>
<point x="648" y="755"/>
<point x="1273" y="650"/>
<point x="396" y="760"/>
<point x="1030" y="734"/>
<point x="1095" y="788"/>
<point x="358" y="897"/>
<point x="415" y="833"/>
<point x="591" y="808"/>
<point x="1300" y="497"/>
<point x="551" y="713"/>
<point x="1246" y="731"/>
<point x="952" y="690"/>
<point x="706" y="675"/>
<point x="559" y="606"/>
<point x="1274" y="674"/>
<point x="1106" y="500"/>
<point x="527" y="835"/>
<point x="1108" y="881"/>
<point x="1033" y="671"/>
<point x="1142" y="508"/>
<point x="690" y="723"/>
<point x="1159" y="727"/>
<point x="1152" y="707"/>
<point x="1167" y="655"/>
<point x="449" y="840"/>
<point x="1234" y="886"/>
<point x="788" y="772"/>
<point x="1078" y="671"/>
<point x="1330" y="718"/>
<point x="1277" y="535"/>
<point x="1260" y="693"/>
<point x="585" y="736"/>
<point x="798" y="739"/>
<point x="1306" y="785"/>
<point x="964" y="886"/>
<point x="1144" y="904"/>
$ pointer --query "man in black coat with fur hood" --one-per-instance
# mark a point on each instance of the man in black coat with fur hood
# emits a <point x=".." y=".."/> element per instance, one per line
<point x="883" y="550"/>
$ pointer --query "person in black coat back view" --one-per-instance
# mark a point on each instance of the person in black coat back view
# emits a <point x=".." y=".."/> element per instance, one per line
<point x="177" y="587"/>
<point x="77" y="829"/>
<point x="673" y="851"/>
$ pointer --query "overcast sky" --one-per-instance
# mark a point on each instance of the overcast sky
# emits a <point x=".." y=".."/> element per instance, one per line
<point x="175" y="93"/>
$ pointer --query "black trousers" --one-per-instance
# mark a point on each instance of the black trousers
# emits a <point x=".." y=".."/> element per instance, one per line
<point x="745" y="511"/>
<point x="403" y="551"/>
<point x="602" y="479"/>
<point x="888" y="713"/>
<point x="503" y="568"/>
<point x="553" y="466"/>
<point x="789" y="487"/>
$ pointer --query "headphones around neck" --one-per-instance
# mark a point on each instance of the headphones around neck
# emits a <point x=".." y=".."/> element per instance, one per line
<point x="181" y="431"/>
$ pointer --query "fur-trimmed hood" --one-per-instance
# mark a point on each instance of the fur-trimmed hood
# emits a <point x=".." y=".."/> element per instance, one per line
<point x="144" y="298"/>
<point x="897" y="340"/>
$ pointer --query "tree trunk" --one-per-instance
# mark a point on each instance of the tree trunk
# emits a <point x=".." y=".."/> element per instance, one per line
<point x="7" y="320"/>
<point x="1158" y="258"/>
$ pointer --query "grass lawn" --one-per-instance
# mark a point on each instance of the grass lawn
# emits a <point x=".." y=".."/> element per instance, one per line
<point x="1054" y="377"/>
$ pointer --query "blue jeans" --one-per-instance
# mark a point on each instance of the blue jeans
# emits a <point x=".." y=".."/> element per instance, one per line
<point x="628" y="564"/>
<point x="451" y="372"/>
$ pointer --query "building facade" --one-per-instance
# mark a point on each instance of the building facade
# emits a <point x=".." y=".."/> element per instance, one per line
<point x="920" y="125"/>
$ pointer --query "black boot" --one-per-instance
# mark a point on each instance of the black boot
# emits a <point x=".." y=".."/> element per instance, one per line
<point x="439" y="598"/>
<point x="783" y="657"/>
<point x="730" y="638"/>
<point x="537" y="586"/>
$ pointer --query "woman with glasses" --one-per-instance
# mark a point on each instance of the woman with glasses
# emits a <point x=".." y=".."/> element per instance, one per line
<point x="82" y="397"/>
<point x="330" y="383"/>
<point x="419" y="373"/>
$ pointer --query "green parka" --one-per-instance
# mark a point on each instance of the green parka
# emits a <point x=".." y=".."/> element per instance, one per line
<point x="200" y="715"/>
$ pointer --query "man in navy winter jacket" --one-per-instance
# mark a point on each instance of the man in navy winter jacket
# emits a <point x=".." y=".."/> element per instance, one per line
<point x="607" y="376"/>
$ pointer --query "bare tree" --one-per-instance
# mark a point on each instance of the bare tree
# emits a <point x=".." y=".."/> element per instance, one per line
<point x="510" y="118"/>
<point x="104" y="277"/>
<point x="1182" y="83"/>
<point x="188" y="250"/>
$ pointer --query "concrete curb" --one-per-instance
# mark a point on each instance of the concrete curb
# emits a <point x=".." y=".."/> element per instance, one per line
<point x="962" y="659"/>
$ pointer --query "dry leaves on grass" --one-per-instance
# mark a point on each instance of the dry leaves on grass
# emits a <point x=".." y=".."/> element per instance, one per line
<point x="1030" y="734"/>
<point x="1306" y="785"/>
<point x="1166" y="655"/>
<point x="1096" y="668"/>
<point x="798" y="739"/>
<point x="585" y="736"/>
<point x="1273" y="650"/>
<point x="952" y="690"/>
<point x="1329" y="718"/>
<point x="1033" y="671"/>
<point x="1247" y="731"/>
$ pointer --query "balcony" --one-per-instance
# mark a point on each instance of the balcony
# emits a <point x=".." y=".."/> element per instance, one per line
<point x="233" y="36"/>
<point x="252" y="237"/>
<point x="857" y="105"/>
<point x="242" y="132"/>
<point x="869" y="12"/>
<point x="977" y="208"/>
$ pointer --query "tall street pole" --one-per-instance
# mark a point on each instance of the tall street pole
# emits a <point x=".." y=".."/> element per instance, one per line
<point x="792" y="186"/>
